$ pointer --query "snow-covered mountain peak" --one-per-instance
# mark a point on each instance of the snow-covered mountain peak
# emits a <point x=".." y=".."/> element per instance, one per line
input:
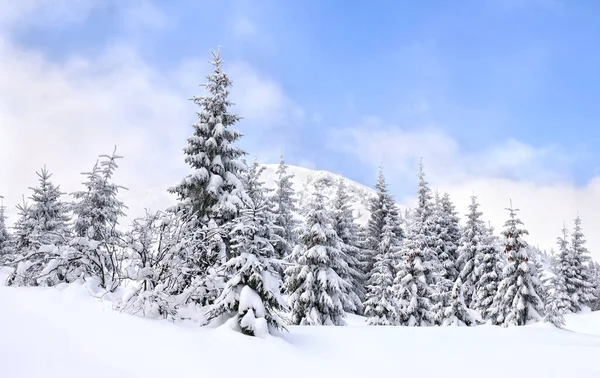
<point x="305" y="178"/>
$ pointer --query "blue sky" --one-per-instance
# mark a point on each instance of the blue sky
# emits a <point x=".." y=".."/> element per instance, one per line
<point x="480" y="71"/>
<point x="497" y="96"/>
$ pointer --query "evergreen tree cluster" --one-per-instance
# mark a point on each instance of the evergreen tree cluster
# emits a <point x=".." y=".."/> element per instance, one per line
<point x="247" y="256"/>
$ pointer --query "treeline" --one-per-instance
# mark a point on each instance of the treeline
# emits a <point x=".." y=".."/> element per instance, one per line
<point x="248" y="256"/>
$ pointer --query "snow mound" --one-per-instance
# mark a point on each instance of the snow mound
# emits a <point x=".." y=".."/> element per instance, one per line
<point x="68" y="333"/>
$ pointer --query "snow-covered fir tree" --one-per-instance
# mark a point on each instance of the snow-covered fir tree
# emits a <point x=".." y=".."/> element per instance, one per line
<point x="536" y="256"/>
<point x="255" y="188"/>
<point x="43" y="223"/>
<point x="213" y="190"/>
<point x="4" y="236"/>
<point x="49" y="213"/>
<point x="285" y="209"/>
<point x="445" y="240"/>
<point x="251" y="299"/>
<point x="382" y="206"/>
<point x="380" y="304"/>
<point x="451" y="226"/>
<point x="5" y="239"/>
<point x="344" y="226"/>
<point x="97" y="211"/>
<point x="318" y="293"/>
<point x="579" y="283"/>
<point x="470" y="250"/>
<point x="456" y="313"/>
<point x="595" y="269"/>
<point x="489" y="272"/>
<point x="555" y="302"/>
<point x="22" y="229"/>
<point x="558" y="301"/>
<point x="417" y="271"/>
<point x="516" y="301"/>
<point x="213" y="194"/>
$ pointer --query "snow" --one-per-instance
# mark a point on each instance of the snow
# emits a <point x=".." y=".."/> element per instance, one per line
<point x="66" y="332"/>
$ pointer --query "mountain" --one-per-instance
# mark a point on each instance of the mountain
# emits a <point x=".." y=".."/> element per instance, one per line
<point x="304" y="180"/>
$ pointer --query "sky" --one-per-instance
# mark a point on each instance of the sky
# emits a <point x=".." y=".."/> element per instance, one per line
<point x="498" y="97"/>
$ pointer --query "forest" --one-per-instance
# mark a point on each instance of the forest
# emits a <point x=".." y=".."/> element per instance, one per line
<point x="249" y="256"/>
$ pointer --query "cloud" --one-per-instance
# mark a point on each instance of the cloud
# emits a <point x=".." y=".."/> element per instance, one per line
<point x="243" y="27"/>
<point x="535" y="178"/>
<point x="36" y="12"/>
<point x="64" y="112"/>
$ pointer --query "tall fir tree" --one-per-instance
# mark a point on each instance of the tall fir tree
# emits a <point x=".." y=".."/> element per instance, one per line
<point x="347" y="230"/>
<point x="579" y="283"/>
<point x="415" y="281"/>
<point x="380" y="304"/>
<point x="318" y="293"/>
<point x="489" y="272"/>
<point x="516" y="301"/>
<point x="285" y="210"/>
<point x="470" y="250"/>
<point x="382" y="206"/>
<point x="451" y="223"/>
<point x="213" y="194"/>
<point x="444" y="246"/>
<point x="251" y="297"/>
<point x="214" y="190"/>
<point x="97" y="211"/>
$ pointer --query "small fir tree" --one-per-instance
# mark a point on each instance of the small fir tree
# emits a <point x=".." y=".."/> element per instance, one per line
<point x="457" y="313"/>
<point x="43" y="224"/>
<point x="558" y="301"/>
<point x="285" y="210"/>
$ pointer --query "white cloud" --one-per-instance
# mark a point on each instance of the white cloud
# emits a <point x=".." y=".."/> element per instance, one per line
<point x="534" y="178"/>
<point x="244" y="27"/>
<point x="44" y="11"/>
<point x="65" y="112"/>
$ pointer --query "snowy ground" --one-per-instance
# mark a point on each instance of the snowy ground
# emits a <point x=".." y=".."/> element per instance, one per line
<point x="67" y="333"/>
